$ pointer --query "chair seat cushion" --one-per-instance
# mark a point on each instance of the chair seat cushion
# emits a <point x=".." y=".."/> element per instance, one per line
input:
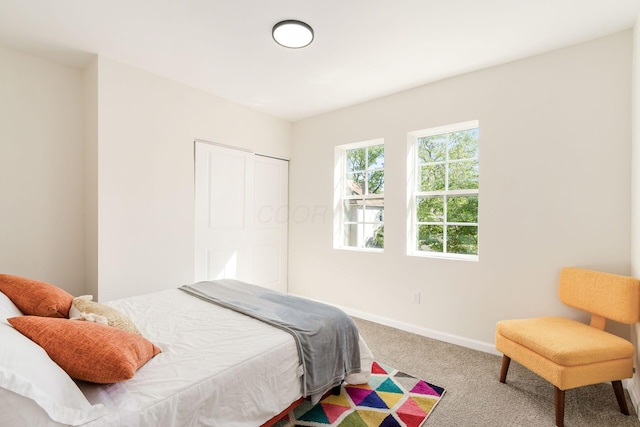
<point x="564" y="341"/>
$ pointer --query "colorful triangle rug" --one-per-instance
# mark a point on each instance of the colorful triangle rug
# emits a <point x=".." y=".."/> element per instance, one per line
<point x="390" y="399"/>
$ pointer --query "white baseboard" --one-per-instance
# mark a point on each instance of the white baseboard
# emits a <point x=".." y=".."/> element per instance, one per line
<point x="425" y="332"/>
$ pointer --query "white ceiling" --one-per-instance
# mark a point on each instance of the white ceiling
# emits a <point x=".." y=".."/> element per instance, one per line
<point x="363" y="49"/>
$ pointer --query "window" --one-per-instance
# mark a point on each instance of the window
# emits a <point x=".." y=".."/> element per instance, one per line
<point x="359" y="196"/>
<point x="444" y="191"/>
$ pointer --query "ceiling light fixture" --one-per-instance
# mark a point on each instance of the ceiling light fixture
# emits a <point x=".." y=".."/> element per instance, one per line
<point x="292" y="34"/>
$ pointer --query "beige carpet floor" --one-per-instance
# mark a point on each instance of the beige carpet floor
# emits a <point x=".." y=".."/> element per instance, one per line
<point x="474" y="395"/>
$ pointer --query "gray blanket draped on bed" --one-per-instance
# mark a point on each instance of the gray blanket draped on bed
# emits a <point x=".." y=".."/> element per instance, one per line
<point x="327" y="339"/>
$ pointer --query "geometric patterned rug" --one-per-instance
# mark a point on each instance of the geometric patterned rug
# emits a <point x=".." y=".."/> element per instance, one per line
<point x="390" y="399"/>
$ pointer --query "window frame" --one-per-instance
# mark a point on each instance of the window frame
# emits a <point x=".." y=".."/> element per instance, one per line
<point x="414" y="192"/>
<point x="340" y="157"/>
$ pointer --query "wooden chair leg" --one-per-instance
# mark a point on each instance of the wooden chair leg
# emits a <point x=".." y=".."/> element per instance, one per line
<point x="506" y="360"/>
<point x="622" y="401"/>
<point x="559" y="407"/>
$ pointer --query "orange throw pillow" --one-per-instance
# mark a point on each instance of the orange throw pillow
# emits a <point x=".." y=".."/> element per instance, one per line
<point x="88" y="351"/>
<point x="36" y="298"/>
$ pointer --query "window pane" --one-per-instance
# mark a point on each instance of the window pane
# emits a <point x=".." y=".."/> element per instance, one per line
<point x="432" y="177"/>
<point x="354" y="184"/>
<point x="352" y="211"/>
<point x="430" y="238"/>
<point x="463" y="144"/>
<point x="376" y="157"/>
<point x="463" y="175"/>
<point x="373" y="227"/>
<point x="462" y="239"/>
<point x="432" y="149"/>
<point x="374" y="212"/>
<point x="374" y="235"/>
<point x="462" y="209"/>
<point x="430" y="209"/>
<point x="356" y="160"/>
<point x="375" y="181"/>
<point x="351" y="233"/>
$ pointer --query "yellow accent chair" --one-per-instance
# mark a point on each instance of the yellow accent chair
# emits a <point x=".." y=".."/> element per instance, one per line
<point x="571" y="354"/>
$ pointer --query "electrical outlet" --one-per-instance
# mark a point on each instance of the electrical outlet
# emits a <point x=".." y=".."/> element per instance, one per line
<point x="416" y="297"/>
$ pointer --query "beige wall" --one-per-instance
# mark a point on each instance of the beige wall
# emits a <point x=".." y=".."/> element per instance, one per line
<point x="41" y="170"/>
<point x="554" y="191"/>
<point x="96" y="172"/>
<point x="146" y="130"/>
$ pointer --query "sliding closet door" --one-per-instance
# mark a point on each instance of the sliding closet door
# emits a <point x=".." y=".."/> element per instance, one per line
<point x="241" y="216"/>
<point x="270" y="215"/>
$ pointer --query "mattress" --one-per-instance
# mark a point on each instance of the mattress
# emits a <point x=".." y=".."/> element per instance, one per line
<point x="217" y="367"/>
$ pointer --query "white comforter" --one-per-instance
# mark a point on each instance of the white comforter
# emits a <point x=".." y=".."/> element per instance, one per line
<point x="217" y="367"/>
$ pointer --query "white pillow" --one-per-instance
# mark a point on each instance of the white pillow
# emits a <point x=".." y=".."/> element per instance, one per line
<point x="7" y="309"/>
<point x="18" y="411"/>
<point x="28" y="372"/>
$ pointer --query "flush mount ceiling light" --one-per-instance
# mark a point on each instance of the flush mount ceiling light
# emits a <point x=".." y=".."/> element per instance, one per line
<point x="292" y="34"/>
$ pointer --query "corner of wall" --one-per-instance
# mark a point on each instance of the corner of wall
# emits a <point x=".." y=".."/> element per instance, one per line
<point x="90" y="75"/>
<point x="633" y="385"/>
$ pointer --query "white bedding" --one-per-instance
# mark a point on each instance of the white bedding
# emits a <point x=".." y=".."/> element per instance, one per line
<point x="217" y="368"/>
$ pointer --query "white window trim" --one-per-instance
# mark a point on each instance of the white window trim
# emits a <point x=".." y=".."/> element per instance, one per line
<point x="338" y="192"/>
<point x="412" y="178"/>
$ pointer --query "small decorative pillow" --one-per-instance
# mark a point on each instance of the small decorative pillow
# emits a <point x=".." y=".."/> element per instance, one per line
<point x="83" y="308"/>
<point x="36" y="298"/>
<point x="88" y="351"/>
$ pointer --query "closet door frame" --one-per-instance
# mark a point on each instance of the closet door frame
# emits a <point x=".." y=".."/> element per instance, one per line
<point x="241" y="215"/>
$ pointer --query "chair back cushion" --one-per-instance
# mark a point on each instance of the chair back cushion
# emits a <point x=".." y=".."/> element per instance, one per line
<point x="609" y="295"/>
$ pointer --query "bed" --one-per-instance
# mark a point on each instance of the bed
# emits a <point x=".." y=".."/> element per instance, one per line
<point x="216" y="367"/>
